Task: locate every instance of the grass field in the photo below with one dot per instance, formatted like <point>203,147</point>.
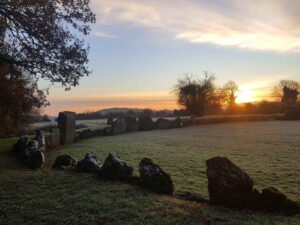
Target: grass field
<point>268,151</point>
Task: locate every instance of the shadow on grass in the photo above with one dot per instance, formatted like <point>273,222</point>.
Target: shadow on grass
<point>68,198</point>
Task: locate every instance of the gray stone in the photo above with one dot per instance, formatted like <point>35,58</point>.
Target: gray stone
<point>132,124</point>
<point>163,124</point>
<point>115,169</point>
<point>90,164</point>
<point>65,162</point>
<point>146,123</point>
<point>154,178</point>
<point>228,185</point>
<point>30,152</point>
<point>119,126</point>
<point>66,123</point>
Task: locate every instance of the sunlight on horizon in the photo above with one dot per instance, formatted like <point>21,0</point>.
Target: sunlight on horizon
<point>245,96</point>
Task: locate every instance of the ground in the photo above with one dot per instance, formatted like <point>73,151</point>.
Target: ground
<point>268,151</point>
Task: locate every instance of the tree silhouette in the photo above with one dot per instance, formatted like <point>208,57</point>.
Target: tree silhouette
<point>229,94</point>
<point>19,95</point>
<point>197,95</point>
<point>287,91</point>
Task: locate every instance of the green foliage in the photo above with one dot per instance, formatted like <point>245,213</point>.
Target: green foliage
<point>39,37</point>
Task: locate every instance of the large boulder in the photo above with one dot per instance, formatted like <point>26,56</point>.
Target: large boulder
<point>154,178</point>
<point>90,164</point>
<point>33,157</point>
<point>119,126</point>
<point>21,144</point>
<point>65,162</point>
<point>162,123</point>
<point>132,124</point>
<point>115,169</point>
<point>228,185</point>
<point>146,123</point>
<point>30,152</point>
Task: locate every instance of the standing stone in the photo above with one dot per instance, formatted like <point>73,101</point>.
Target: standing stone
<point>146,123</point>
<point>154,178</point>
<point>90,164</point>
<point>162,123</point>
<point>65,162</point>
<point>32,156</point>
<point>30,152</point>
<point>132,124</point>
<point>228,185</point>
<point>119,126</point>
<point>66,123</point>
<point>115,169</point>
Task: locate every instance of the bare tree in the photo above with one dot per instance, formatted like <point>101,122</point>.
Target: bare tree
<point>229,94</point>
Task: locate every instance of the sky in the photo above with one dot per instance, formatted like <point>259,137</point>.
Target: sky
<point>139,48</point>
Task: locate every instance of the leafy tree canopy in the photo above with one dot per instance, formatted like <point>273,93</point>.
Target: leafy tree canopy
<point>39,37</point>
<point>19,95</point>
<point>197,95</point>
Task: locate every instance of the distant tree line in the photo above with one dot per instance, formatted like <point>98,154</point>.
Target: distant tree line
<point>201,97</point>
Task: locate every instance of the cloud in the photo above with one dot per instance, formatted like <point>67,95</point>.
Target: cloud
<point>260,25</point>
<point>104,35</point>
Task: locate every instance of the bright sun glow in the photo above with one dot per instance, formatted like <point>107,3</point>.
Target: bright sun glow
<point>244,96</point>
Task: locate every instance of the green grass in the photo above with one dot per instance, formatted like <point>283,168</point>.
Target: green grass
<point>268,151</point>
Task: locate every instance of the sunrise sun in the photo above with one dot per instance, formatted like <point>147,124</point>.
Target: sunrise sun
<point>245,95</point>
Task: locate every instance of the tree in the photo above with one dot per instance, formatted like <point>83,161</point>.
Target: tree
<point>229,94</point>
<point>287,91</point>
<point>197,95</point>
<point>36,37</point>
<point>19,95</point>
